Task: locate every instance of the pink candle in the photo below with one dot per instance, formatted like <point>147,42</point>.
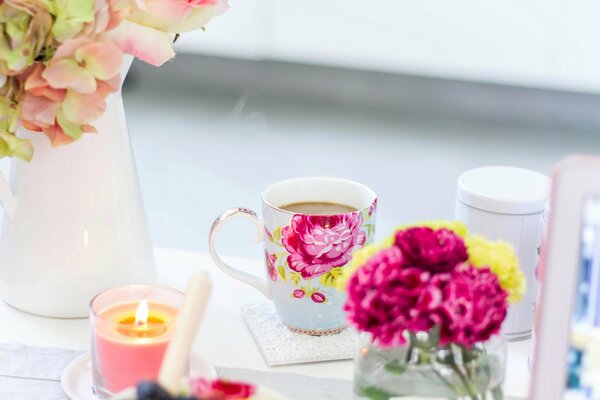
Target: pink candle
<point>130,338</point>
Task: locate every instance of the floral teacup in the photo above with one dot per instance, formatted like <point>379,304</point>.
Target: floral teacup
<point>305,253</point>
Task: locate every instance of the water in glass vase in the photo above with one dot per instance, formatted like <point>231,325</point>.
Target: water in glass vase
<point>423,370</point>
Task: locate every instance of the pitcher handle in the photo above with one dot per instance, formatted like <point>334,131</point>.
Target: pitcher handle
<point>261,284</point>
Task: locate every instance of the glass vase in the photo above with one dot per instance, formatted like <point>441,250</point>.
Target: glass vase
<point>423,369</point>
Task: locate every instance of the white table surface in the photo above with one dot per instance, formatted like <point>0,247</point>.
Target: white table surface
<point>223,340</point>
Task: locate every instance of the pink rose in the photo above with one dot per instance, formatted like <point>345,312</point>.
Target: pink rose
<point>148,28</point>
<point>318,243</point>
<point>271,258</point>
<point>176,16</point>
<point>432,250</point>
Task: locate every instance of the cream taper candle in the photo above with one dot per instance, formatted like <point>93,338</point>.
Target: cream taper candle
<point>178,352</point>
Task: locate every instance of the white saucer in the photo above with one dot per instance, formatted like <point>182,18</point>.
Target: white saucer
<point>76,379</point>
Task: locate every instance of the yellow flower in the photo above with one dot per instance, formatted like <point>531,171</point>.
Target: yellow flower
<point>501,259</point>
<point>359,258</point>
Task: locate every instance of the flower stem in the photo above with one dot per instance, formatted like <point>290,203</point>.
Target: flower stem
<point>466,359</point>
<point>424,358</point>
<point>466,382</point>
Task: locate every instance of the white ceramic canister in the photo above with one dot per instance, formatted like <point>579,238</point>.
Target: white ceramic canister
<point>507,203</point>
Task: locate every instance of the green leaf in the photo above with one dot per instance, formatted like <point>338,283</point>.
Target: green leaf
<point>330,278</point>
<point>369,228</point>
<point>295,277</point>
<point>395,367</point>
<point>277,235</point>
<point>374,393</point>
<point>281,271</point>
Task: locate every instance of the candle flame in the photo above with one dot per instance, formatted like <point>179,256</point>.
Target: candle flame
<point>141,314</point>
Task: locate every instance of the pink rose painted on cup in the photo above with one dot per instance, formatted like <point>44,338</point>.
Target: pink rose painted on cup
<point>271,258</point>
<point>319,243</point>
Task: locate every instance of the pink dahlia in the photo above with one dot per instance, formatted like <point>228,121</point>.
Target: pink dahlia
<point>473,307</point>
<point>432,250</point>
<point>384,297</point>
<point>319,243</point>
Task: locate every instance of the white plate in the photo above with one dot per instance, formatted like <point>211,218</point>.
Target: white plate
<point>76,379</point>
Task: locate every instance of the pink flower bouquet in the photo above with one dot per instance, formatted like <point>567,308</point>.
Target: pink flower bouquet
<point>434,294</point>
<point>60,59</point>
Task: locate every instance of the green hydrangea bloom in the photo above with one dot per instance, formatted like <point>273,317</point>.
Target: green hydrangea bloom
<point>24,32</point>
<point>71,16</point>
<point>10,144</point>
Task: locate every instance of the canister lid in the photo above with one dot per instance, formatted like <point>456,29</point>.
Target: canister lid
<point>504,190</point>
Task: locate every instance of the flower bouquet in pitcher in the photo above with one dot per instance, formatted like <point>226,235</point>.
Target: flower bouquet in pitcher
<point>429,303</point>
<point>59,59</point>
<point>62,65</point>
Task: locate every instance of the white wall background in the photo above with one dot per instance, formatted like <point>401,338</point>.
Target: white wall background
<point>539,43</point>
<point>215,154</point>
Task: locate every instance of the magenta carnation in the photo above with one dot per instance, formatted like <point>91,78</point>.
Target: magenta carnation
<point>473,307</point>
<point>432,250</point>
<point>384,297</point>
<point>319,243</point>
<point>388,295</point>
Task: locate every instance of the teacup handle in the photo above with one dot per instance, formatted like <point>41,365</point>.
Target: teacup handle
<point>255,281</point>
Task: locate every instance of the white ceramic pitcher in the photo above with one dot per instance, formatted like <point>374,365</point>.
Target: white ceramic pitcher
<point>74,222</point>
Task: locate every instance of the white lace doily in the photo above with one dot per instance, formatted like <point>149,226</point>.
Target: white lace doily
<point>280,346</point>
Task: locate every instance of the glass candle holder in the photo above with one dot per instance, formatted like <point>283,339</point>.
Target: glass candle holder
<point>131,328</point>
